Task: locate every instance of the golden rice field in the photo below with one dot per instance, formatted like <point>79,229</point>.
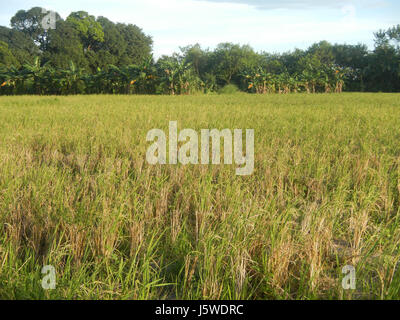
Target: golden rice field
<point>77,193</point>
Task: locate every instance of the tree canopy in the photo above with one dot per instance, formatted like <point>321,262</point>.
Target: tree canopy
<point>87,41</point>
<point>88,54</point>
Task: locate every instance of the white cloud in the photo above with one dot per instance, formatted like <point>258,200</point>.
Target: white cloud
<point>300,4</point>
<point>176,23</point>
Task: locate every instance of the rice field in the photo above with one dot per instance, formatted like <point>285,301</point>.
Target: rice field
<point>77,193</point>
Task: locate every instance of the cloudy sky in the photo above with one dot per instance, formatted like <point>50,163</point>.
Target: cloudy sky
<point>273,26</point>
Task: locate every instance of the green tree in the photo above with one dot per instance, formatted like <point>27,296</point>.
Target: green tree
<point>34,72</point>
<point>228,60</point>
<point>6,56</point>
<point>60,52</point>
<point>90,31</point>
<point>113,47</point>
<point>383,70</point>
<point>197,57</point>
<point>30,23</point>
<point>312,72</point>
<point>354,57</point>
<point>178,76</point>
<point>138,44</point>
<point>21,46</point>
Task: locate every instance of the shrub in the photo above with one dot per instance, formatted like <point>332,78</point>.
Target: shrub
<point>229,89</point>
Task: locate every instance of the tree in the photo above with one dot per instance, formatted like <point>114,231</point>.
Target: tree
<point>229,60</point>
<point>113,47</point>
<point>290,60</point>
<point>178,76</point>
<point>73,82</point>
<point>59,52</point>
<point>89,30</point>
<point>354,57</point>
<point>196,56</point>
<point>34,71</point>
<point>383,70</point>
<point>311,72</point>
<point>88,55</point>
<point>6,56</point>
<point>138,44</point>
<point>389,37</point>
<point>323,51</point>
<point>21,46</point>
<point>30,23</point>
<point>394,34</point>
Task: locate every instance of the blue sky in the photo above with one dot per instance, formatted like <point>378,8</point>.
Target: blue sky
<point>273,26</point>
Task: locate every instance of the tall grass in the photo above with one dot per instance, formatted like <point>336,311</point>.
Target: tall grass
<point>77,193</point>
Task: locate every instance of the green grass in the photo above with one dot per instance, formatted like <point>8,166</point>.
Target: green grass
<point>77,193</point>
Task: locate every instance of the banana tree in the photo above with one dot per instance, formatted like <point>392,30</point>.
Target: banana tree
<point>339,76</point>
<point>191,81</point>
<point>307,81</point>
<point>97,83</point>
<point>259,81</point>
<point>50,81</point>
<point>34,72</point>
<point>71,80</point>
<point>147,76</point>
<point>142,77</point>
<point>13,81</point>
<point>116,79</point>
<point>295,83</point>
<point>5,87</point>
<point>172,75</point>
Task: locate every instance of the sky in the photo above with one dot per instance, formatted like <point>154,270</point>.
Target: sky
<point>271,26</point>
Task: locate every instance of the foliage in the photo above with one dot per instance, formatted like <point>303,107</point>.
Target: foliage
<point>229,89</point>
<point>116,58</point>
<point>30,23</point>
<point>90,42</point>
<point>21,46</point>
<point>6,56</point>
<point>90,30</point>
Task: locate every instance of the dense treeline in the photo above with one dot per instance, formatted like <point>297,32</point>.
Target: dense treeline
<point>85,54</point>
